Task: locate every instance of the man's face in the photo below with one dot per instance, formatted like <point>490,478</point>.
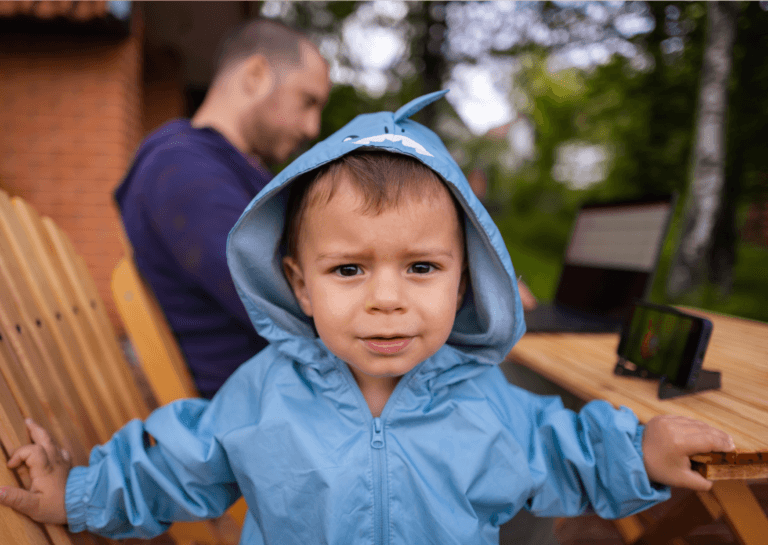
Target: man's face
<point>383,290</point>
<point>290,114</point>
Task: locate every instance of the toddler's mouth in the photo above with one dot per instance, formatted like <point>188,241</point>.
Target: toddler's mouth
<point>387,345</point>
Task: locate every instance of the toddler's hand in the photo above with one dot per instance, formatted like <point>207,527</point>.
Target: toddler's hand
<point>49,467</point>
<point>669,440</point>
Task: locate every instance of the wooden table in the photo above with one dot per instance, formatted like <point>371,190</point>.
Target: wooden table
<point>583,364</point>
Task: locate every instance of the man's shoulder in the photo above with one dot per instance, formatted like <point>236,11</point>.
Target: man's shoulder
<point>179,138</point>
<point>172,157</point>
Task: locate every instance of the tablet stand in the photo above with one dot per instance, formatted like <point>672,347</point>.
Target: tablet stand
<point>705,380</point>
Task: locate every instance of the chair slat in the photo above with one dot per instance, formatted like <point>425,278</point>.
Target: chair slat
<point>13,434</point>
<point>81,284</point>
<point>39,367</point>
<point>49,294</point>
<point>150,335</point>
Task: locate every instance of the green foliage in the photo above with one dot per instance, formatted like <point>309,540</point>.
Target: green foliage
<point>641,108</point>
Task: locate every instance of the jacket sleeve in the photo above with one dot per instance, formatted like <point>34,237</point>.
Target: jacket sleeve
<point>590,461</point>
<point>133,488</point>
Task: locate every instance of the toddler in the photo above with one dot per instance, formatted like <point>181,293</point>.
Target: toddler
<point>378,413</point>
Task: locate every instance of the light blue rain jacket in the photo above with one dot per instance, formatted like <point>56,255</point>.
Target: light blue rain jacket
<point>456,452</point>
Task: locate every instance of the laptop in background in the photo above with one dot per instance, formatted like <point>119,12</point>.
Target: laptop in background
<point>610,262</point>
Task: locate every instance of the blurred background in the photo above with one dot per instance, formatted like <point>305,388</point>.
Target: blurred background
<point>552,104</point>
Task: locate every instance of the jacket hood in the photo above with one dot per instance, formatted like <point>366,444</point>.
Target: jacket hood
<point>490,320</point>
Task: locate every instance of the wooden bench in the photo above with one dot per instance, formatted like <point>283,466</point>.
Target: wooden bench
<point>61,363</point>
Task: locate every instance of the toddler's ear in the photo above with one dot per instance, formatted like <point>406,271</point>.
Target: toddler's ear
<point>295,277</point>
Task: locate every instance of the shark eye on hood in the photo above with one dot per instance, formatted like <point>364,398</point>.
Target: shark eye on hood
<point>350,137</point>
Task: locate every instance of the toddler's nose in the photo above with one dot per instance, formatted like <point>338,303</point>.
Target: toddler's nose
<point>385,293</point>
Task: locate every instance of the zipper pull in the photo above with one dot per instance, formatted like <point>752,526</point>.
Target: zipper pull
<point>377,441</point>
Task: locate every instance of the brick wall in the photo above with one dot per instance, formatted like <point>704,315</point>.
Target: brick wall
<point>163,89</point>
<point>69,123</point>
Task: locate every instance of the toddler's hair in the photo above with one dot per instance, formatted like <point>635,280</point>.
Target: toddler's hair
<point>384,179</point>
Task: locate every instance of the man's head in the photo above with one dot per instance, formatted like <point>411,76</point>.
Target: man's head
<point>267,95</point>
<point>375,246</point>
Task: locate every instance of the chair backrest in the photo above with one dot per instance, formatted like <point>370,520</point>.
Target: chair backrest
<point>150,335</point>
<point>33,384</point>
<point>61,364</point>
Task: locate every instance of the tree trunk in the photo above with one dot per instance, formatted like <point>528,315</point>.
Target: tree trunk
<point>706,188</point>
<point>429,47</point>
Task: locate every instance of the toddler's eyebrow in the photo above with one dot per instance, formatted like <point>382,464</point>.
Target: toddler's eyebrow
<point>430,252</point>
<point>412,254</point>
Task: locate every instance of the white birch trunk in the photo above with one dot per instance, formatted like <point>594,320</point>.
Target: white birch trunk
<point>704,196</point>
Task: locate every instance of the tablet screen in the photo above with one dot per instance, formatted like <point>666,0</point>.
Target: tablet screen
<point>656,340</point>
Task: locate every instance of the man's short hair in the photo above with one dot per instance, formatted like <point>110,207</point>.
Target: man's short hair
<point>278,43</point>
<point>383,179</point>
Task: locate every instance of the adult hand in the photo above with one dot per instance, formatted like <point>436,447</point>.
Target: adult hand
<point>668,443</point>
<point>49,466</point>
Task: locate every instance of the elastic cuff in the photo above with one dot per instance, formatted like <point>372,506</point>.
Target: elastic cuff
<point>75,499</point>
<point>637,441</point>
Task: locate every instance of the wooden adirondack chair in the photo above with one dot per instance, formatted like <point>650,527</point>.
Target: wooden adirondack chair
<point>61,364</point>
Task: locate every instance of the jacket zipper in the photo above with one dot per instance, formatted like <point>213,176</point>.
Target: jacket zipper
<point>377,443</point>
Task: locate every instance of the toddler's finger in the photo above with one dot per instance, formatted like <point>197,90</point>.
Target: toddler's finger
<point>40,436</point>
<point>694,481</point>
<point>20,500</point>
<point>711,440</point>
<point>32,455</point>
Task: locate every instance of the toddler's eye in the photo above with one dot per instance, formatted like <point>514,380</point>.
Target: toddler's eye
<point>348,270</point>
<point>421,268</point>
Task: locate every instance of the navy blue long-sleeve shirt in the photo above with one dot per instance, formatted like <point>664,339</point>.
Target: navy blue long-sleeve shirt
<point>183,193</point>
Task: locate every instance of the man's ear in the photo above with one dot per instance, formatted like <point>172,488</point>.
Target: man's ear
<point>295,277</point>
<point>258,77</point>
<point>463,282</point>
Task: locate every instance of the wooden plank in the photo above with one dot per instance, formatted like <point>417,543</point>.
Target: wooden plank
<point>115,365</point>
<point>583,364</point>
<point>630,529</point>
<point>717,466</point>
<point>741,511</point>
<point>34,255</point>
<point>729,473</point>
<point>22,334</point>
<point>44,286</point>
<point>150,335</point>
<point>698,509</point>
<point>16,528</point>
<point>13,434</point>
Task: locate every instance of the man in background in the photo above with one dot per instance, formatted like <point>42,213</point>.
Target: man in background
<point>192,178</point>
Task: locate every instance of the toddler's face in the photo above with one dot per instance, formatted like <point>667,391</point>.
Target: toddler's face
<point>383,290</point>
